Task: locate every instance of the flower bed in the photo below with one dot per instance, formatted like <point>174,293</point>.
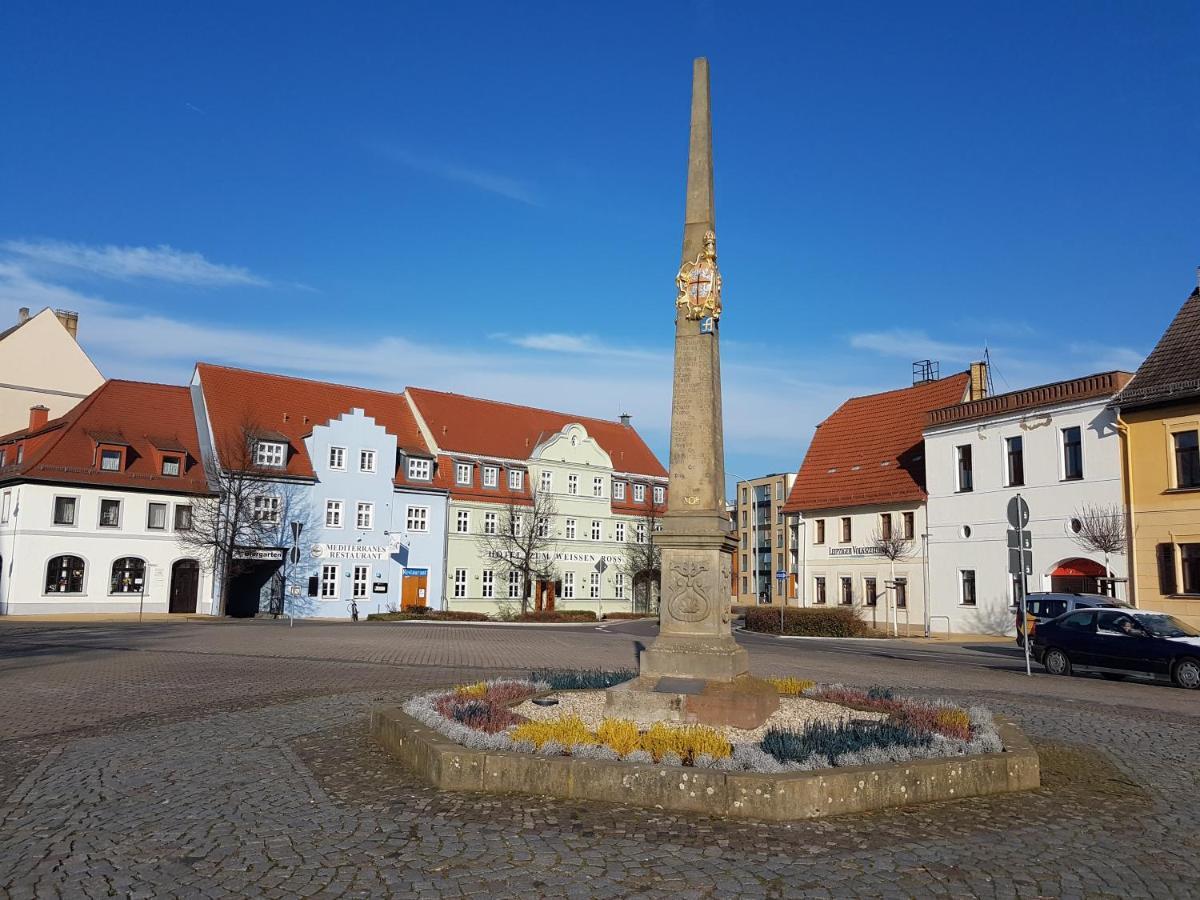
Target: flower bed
<point>481,716</point>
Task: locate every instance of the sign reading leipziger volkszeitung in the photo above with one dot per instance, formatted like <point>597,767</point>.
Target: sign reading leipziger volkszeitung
<point>855,551</point>
<point>349,551</point>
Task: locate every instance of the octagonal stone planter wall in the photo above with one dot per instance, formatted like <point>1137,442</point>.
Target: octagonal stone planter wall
<point>747,795</point>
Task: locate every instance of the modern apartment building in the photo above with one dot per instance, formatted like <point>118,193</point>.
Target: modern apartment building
<point>765,546</point>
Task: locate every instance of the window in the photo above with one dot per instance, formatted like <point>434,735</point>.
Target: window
<point>618,490</point>
<point>516,479</point>
<point>847,591</point>
<point>595,530</point>
<point>745,585</point>
<point>619,587</point>
<point>5,505</point>
<point>745,563</point>
<point>779,517</point>
<point>1165,554</point>
<point>543,527</point>
<point>20,453</point>
<point>1072,449</point>
<point>901,593</point>
<point>266,509</point>
<point>597,487</point>
<point>1080,621</point>
<point>489,583</point>
<point>641,532</point>
<point>463,525</point>
<point>64,510</point>
<point>183,517</point>
<point>639,493</point>
<point>658,525</point>
<point>460,582</point>
<point>660,494</point>
<point>1189,556</point>
<point>462,473</point>
<point>572,484</point>
<point>518,525</point>
<point>270,454</point>
<point>744,519</point>
<point>333,513</point>
<point>329,582</point>
<point>358,583</point>
<point>594,586</point>
<point>364,515</point>
<point>514,585</point>
<point>337,457</point>
<point>1187,459</point>
<point>64,575</point>
<point>818,589</point>
<point>420,469</point>
<point>619,536</point>
<point>966,581</point>
<point>547,480</point>
<point>744,498</point>
<point>156,516</point>
<point>819,531</point>
<point>416,518</point>
<point>110,460</point>
<point>128,576</point>
<point>366,460</point>
<point>110,513</point>
<point>171,466</point>
<point>1014,448</point>
<point>885,526</point>
<point>779,490</point>
<point>870,591</point>
<point>568,585</point>
<point>491,476</point>
<point>570,529</point>
<point>490,520</point>
<point>846,530</point>
<point>743,540</point>
<point>966,473</point>
<point>909,525</point>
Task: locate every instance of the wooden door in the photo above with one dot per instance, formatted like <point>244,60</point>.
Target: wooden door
<point>185,580</point>
<point>414,591</point>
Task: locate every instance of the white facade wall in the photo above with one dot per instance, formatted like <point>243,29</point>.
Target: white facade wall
<point>858,560</point>
<point>29,539</point>
<point>1053,502</point>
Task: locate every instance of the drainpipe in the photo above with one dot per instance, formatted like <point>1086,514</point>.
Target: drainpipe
<point>1127,490</point>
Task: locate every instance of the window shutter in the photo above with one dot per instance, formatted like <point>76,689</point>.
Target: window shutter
<point>1166,569</point>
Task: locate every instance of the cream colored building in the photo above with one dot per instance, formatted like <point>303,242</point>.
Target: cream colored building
<point>765,544</point>
<point>42,364</point>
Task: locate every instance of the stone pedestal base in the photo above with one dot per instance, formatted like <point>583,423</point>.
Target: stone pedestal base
<point>743,702</point>
<point>716,658</point>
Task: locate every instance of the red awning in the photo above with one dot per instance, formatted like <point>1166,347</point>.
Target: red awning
<point>1079,567</point>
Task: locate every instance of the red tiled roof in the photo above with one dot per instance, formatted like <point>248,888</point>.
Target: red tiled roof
<point>505,430</point>
<point>870,449</point>
<point>292,407</point>
<point>65,449</point>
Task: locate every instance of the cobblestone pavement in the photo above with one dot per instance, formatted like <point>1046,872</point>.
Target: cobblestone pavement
<point>232,759</point>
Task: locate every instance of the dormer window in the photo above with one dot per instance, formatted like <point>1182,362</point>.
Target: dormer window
<point>110,460</point>
<point>491,476</point>
<point>172,466</point>
<point>462,473</point>
<point>20,453</point>
<point>270,454</point>
<point>420,470</point>
<point>639,493</point>
<point>516,479</point>
<point>618,490</point>
<point>660,495</point>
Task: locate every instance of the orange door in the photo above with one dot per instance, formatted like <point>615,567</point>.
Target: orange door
<point>414,591</point>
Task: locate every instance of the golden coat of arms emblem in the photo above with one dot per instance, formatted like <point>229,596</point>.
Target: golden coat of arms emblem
<point>699,283</point>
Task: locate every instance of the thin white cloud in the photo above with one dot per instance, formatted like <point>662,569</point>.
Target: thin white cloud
<point>161,263</point>
<point>490,182</point>
<point>911,344</point>
<point>586,344</point>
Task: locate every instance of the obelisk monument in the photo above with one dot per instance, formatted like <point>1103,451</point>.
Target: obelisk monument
<point>695,670</point>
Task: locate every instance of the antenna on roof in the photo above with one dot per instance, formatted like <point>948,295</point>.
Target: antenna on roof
<point>925,370</point>
<point>987,371</point>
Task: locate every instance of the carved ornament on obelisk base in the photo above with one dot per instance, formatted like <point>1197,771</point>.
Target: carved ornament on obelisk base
<point>695,671</point>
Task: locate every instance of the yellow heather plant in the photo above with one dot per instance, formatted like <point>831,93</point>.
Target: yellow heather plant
<point>687,742</point>
<point>619,735</point>
<point>476,690</point>
<point>568,731</point>
<point>790,687</point>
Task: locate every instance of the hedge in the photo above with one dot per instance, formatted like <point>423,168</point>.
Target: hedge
<point>832,622</point>
<point>412,614</point>
<point>626,615</point>
<point>558,615</point>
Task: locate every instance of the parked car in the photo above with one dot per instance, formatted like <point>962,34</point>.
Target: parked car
<point>1043,606</point>
<point>1120,642</point>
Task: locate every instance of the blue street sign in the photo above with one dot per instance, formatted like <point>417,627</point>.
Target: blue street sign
<point>781,575</point>
<point>706,325</point>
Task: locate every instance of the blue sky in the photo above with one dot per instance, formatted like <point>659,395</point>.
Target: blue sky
<point>488,197</point>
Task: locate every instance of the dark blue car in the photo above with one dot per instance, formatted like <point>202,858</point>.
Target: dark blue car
<point>1119,642</point>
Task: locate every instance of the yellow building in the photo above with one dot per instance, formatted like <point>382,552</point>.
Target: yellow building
<point>1159,420</point>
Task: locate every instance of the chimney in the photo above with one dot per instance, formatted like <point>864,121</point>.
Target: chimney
<point>625,417</point>
<point>70,321</point>
<point>38,416</point>
<point>979,381</point>
<point>22,315</point>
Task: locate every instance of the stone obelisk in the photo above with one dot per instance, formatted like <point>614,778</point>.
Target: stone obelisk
<point>695,670</point>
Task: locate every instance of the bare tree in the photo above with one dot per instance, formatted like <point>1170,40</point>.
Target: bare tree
<point>250,507</point>
<point>892,545</point>
<point>641,559</point>
<point>1101,530</point>
<point>523,542</point>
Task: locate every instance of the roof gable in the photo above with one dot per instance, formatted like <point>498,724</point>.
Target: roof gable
<point>1172,370</point>
<point>26,347</point>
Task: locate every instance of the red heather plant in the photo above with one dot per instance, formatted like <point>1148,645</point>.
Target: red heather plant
<point>924,718</point>
<point>508,692</point>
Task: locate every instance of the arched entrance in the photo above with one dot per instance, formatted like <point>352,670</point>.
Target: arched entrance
<point>185,583</point>
<point>1077,576</point>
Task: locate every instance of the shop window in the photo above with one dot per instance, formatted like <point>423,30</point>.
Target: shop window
<point>64,575</point>
<point>819,590</point>
<point>128,576</point>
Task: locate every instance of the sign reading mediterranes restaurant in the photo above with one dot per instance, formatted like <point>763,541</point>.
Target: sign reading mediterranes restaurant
<point>349,551</point>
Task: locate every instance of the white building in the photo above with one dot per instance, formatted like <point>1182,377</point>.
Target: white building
<point>1057,446</point>
<point>91,502</point>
